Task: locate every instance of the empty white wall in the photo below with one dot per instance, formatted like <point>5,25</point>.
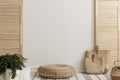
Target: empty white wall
<point>57,31</point>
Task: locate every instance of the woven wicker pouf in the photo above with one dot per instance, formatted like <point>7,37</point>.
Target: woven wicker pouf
<point>56,71</point>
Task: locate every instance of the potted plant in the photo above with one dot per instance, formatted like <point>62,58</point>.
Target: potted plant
<point>13,62</point>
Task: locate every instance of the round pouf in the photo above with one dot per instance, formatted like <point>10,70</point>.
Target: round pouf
<point>56,71</point>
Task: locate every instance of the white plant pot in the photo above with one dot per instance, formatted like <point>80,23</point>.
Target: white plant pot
<point>2,76</point>
<point>20,74</point>
<point>8,75</point>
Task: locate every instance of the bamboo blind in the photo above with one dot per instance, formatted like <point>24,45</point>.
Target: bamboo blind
<point>10,26</point>
<point>106,26</point>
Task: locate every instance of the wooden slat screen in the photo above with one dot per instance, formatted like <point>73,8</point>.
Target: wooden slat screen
<point>10,26</point>
<point>106,26</point>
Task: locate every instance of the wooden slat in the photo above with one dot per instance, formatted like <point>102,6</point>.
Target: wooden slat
<point>104,28</point>
<point>9,10</point>
<point>10,30</point>
<point>9,36</point>
<point>9,19</point>
<point>9,50</point>
<point>9,25</point>
<point>108,3</point>
<point>9,43</point>
<point>10,2</point>
<point>105,11</point>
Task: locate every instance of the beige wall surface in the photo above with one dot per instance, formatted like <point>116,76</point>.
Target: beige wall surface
<point>57,31</point>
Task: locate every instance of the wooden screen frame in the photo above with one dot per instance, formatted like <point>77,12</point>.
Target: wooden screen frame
<point>96,12</point>
<point>14,4</point>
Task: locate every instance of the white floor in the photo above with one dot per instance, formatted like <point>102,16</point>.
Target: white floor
<point>32,74</point>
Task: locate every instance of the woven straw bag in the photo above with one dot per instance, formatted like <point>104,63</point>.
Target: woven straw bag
<point>115,73</point>
<point>94,63</point>
<point>104,54</point>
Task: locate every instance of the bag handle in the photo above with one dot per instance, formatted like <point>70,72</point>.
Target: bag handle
<point>116,62</point>
<point>93,58</point>
<point>97,52</point>
<point>97,49</point>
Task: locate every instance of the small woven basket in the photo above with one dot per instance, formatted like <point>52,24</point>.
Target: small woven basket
<point>115,78</point>
<point>115,73</point>
<point>56,71</point>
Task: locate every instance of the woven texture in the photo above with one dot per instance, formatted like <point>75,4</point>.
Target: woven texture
<point>56,71</point>
<point>115,78</point>
<point>115,73</point>
<point>106,54</point>
<point>94,62</point>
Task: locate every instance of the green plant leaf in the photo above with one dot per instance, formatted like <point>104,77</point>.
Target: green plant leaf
<point>13,62</point>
